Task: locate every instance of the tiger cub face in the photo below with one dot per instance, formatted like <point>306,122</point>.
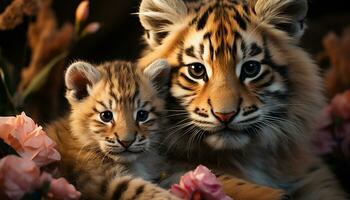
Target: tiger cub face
<point>237,69</point>
<point>115,107</point>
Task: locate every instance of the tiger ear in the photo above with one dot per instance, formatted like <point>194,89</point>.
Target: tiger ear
<point>156,16</point>
<point>286,15</point>
<point>159,74</point>
<point>79,78</point>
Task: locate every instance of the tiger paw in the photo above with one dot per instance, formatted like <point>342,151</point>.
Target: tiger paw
<point>239,189</point>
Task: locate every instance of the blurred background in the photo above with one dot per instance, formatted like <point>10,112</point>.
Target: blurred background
<point>39,38</point>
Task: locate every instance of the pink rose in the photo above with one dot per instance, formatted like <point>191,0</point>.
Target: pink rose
<point>28,139</point>
<point>340,105</point>
<point>200,180</point>
<point>17,176</point>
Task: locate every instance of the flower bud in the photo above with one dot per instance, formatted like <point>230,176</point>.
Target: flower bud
<point>82,12</point>
<point>93,27</point>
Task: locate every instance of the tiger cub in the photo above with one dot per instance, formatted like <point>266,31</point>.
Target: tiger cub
<point>114,116</point>
<point>244,94</point>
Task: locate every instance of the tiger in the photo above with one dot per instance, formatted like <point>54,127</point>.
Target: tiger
<point>243,93</point>
<point>106,140</point>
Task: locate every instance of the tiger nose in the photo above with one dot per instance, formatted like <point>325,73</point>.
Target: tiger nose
<point>224,117</point>
<point>125,143</point>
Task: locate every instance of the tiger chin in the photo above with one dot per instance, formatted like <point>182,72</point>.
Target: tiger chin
<point>244,94</point>
<point>106,139</point>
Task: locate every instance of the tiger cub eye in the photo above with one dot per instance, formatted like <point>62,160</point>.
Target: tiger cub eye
<point>250,69</point>
<point>197,70</point>
<point>142,115</point>
<point>106,116</point>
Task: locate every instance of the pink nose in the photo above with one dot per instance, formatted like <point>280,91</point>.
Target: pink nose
<point>224,117</point>
<point>125,143</point>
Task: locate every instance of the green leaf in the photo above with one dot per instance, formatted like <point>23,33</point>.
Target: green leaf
<point>40,79</point>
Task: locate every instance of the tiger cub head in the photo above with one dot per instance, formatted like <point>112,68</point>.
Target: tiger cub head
<point>237,69</point>
<point>115,108</point>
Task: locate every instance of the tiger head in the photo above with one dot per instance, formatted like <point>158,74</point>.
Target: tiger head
<point>115,107</point>
<point>237,69</point>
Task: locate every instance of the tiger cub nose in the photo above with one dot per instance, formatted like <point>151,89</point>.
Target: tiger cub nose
<point>224,117</point>
<point>125,143</point>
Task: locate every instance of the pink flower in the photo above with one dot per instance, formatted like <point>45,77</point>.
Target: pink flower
<point>340,105</point>
<point>82,12</point>
<point>200,180</point>
<point>93,27</point>
<point>28,139</point>
<point>17,176</point>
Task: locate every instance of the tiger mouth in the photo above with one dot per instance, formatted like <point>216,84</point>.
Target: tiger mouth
<point>125,152</point>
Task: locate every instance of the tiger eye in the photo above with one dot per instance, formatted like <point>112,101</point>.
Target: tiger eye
<point>142,115</point>
<point>250,69</point>
<point>197,71</point>
<point>106,116</point>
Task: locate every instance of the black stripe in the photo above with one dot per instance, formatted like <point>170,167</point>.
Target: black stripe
<point>139,190</point>
<point>203,20</point>
<point>240,21</point>
<point>254,50</point>
<point>202,122</point>
<point>110,103</point>
<point>182,86</point>
<point>98,122</point>
<point>253,109</point>
<point>102,104</point>
<point>268,83</point>
<point>187,79</point>
<point>120,189</point>
<point>150,122</point>
<point>261,77</point>
<point>187,95</point>
<point>282,70</point>
<point>97,132</point>
<point>145,104</point>
<point>201,50</point>
<point>96,111</point>
<point>244,49</point>
<point>190,51</point>
<point>197,111</point>
<point>114,96</point>
<point>246,8</point>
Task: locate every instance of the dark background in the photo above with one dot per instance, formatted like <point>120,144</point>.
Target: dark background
<point>120,35</point>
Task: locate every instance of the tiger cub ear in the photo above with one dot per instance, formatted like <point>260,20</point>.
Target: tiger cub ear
<point>156,16</point>
<point>79,77</point>
<point>286,15</point>
<point>159,74</point>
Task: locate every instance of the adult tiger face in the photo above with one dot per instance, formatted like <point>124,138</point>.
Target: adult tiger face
<point>236,68</point>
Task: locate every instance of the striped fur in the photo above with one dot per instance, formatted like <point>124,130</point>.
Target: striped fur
<point>100,153</point>
<point>245,95</point>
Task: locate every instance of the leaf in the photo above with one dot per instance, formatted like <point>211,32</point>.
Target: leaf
<point>7,106</point>
<point>40,79</point>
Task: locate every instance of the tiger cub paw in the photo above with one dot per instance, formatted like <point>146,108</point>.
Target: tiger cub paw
<point>128,187</point>
<point>239,189</point>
